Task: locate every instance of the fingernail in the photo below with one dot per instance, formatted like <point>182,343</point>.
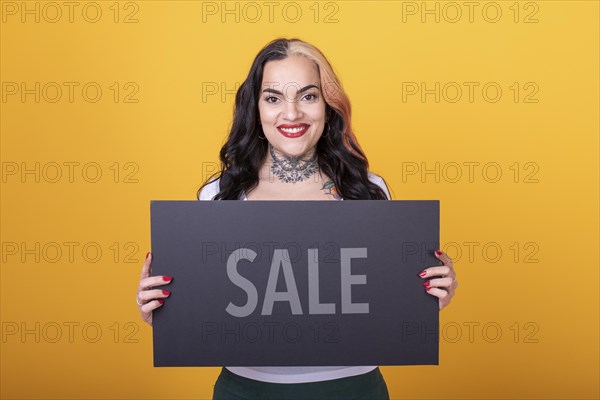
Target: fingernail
<point>167,278</point>
<point>439,253</point>
<point>166,292</point>
<point>428,288</point>
<point>161,301</point>
<point>422,273</point>
<point>426,283</point>
<point>147,254</point>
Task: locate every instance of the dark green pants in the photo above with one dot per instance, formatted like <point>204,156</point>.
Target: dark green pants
<point>369,386</point>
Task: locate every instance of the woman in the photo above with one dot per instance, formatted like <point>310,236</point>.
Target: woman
<point>292,139</point>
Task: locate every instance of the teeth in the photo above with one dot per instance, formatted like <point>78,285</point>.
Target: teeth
<point>293,130</point>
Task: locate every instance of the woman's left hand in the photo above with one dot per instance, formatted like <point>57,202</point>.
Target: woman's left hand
<point>444,283</point>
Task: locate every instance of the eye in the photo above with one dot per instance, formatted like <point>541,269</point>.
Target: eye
<point>311,96</point>
<point>271,99</point>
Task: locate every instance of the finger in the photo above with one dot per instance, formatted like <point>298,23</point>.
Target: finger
<point>147,295</point>
<point>146,268</point>
<point>439,293</point>
<point>443,257</point>
<point>435,271</point>
<point>153,281</point>
<point>152,305</point>
<point>445,282</point>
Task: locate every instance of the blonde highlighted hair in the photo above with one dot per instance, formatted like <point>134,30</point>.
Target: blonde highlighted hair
<point>332,90</point>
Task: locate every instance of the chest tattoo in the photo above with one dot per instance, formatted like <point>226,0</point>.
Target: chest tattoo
<point>329,188</point>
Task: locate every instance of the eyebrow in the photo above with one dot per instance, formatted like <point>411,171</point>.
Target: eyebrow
<point>302,90</point>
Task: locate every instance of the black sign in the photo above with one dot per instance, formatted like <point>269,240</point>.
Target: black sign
<point>304,283</point>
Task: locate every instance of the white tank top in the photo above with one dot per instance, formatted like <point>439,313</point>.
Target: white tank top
<point>294,374</point>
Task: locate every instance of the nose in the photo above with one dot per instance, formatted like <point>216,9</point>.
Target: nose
<point>292,110</point>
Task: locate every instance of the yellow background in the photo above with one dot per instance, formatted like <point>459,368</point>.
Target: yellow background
<point>547,310</point>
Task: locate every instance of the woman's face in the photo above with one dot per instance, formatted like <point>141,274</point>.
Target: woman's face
<point>292,110</point>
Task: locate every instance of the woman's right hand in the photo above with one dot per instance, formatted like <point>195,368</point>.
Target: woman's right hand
<point>147,297</point>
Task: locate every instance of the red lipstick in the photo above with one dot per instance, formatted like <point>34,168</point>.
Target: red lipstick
<point>293,130</point>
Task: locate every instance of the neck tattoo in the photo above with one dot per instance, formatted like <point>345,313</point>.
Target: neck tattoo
<point>293,169</point>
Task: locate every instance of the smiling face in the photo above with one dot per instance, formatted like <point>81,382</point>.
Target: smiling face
<point>291,107</point>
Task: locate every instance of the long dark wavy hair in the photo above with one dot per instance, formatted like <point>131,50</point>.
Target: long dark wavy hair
<point>339,155</point>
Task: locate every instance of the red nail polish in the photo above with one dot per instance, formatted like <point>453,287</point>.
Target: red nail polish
<point>161,301</point>
<point>439,253</point>
<point>166,292</point>
<point>422,273</point>
<point>426,283</point>
<point>167,278</point>
<point>428,288</point>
